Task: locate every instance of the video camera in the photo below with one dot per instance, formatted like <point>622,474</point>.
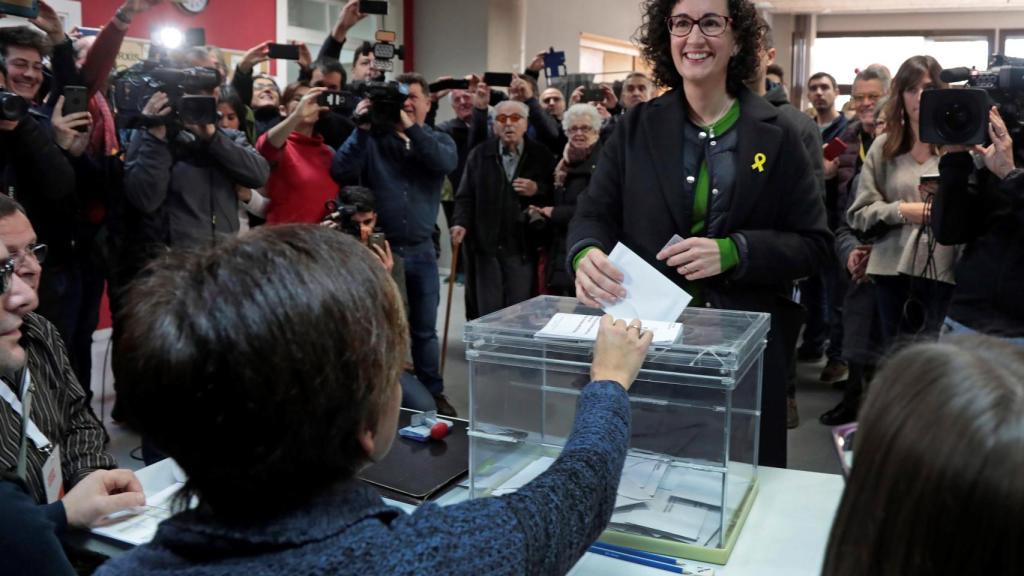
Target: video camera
<point>387,98</point>
<point>135,86</point>
<point>960,115</point>
<point>341,215</point>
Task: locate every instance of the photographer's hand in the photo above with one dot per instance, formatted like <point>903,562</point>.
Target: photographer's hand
<point>158,106</point>
<point>349,17</point>
<point>204,132</point>
<point>520,90</point>
<point>999,154</point>
<point>610,101</point>
<point>385,255</point>
<point>537,64</point>
<point>482,96</point>
<point>435,96</point>
<point>361,113</point>
<point>307,111</point>
<point>48,21</point>
<point>256,55</point>
<point>407,119</point>
<point>577,95</point>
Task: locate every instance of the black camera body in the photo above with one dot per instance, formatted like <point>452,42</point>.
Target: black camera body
<point>341,214</point>
<point>134,88</point>
<point>960,115</point>
<point>13,108</point>
<point>387,98</point>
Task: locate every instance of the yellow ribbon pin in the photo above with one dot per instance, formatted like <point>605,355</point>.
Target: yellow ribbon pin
<point>759,160</point>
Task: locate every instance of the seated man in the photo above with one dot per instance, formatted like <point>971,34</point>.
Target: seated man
<point>64,434</point>
<point>271,449</point>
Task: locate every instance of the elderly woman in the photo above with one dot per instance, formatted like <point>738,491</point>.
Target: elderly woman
<point>582,124</point>
<point>267,367</point>
<point>913,274</point>
<point>718,166</point>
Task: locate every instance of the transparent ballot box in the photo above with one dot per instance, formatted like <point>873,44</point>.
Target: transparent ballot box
<point>690,475</point>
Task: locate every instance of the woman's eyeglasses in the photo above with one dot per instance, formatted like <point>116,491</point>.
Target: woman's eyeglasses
<point>710,25</point>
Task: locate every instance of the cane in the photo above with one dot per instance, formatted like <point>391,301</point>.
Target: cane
<point>448,309</point>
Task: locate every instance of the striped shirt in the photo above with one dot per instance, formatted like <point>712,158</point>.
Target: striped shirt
<point>59,410</point>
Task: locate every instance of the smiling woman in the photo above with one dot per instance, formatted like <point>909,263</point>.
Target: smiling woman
<point>715,164</point>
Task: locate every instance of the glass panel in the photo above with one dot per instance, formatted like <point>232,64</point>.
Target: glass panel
<point>308,14</point>
<point>1015,46</point>
<point>843,56</point>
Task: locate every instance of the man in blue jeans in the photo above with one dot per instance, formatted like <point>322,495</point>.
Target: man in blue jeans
<point>405,166</point>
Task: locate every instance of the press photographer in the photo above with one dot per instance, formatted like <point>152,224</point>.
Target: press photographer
<point>405,162</point>
<point>984,209</point>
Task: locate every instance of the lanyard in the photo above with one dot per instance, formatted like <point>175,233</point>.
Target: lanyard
<point>863,155</point>
<point>28,426</point>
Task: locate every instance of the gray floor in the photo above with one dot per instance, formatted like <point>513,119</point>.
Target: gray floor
<point>810,445</point>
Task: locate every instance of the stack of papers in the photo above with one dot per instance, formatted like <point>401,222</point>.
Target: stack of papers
<point>564,326</point>
<point>160,482</point>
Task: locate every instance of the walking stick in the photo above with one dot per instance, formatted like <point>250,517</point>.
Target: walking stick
<point>448,308</point>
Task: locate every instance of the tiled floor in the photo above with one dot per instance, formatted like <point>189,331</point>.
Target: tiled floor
<point>810,445</point>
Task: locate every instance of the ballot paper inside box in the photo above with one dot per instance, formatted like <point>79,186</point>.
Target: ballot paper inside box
<point>690,475</point>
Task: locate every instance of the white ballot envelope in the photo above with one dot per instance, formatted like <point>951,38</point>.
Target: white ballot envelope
<point>649,294</point>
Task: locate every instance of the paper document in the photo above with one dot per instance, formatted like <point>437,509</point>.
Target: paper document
<point>641,477</point>
<point>160,482</point>
<point>649,294</point>
<point>584,327</point>
<point>536,468</point>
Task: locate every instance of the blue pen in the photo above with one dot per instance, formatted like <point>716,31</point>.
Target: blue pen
<point>675,569</point>
<point>640,553</point>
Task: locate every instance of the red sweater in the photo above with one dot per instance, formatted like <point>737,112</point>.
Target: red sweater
<point>300,179</point>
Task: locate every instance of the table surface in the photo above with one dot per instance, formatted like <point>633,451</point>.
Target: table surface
<point>785,534</point>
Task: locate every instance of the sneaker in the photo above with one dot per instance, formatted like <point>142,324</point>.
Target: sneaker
<point>444,408</point>
<point>792,415</point>
<point>834,371</point>
<point>843,413</point>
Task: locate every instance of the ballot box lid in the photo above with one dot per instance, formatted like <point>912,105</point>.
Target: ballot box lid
<point>711,341</point>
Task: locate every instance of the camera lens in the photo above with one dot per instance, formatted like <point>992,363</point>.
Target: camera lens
<point>957,121</point>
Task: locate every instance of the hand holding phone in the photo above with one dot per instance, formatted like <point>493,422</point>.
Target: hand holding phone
<point>76,100</point>
<point>834,148</point>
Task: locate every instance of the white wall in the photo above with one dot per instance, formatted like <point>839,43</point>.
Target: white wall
<point>451,40</point>
<point>921,21</point>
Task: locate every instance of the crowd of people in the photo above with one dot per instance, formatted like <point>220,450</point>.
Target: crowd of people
<point>239,251</point>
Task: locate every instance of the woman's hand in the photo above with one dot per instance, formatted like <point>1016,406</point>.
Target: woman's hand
<point>598,280</point>
<point>619,351</point>
<point>65,129</point>
<point>309,109</point>
<point>694,258</point>
<point>999,154</point>
<point>857,264</point>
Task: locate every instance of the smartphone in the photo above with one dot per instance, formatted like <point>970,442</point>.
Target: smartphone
<point>376,239</point>
<point>843,438</point>
<point>200,110</point>
<point>76,99</point>
<point>595,94</point>
<point>283,51</point>
<point>373,7</point>
<point>834,148</point>
<point>84,31</point>
<point>449,84</point>
<point>23,8</point>
<point>333,99</point>
<point>500,79</point>
<point>928,178</point>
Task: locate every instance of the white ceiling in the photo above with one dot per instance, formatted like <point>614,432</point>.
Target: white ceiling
<point>862,6</point>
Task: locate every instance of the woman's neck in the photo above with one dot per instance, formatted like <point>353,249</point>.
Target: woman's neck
<point>707,103</point>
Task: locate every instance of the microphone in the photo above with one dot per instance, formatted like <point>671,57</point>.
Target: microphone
<point>950,75</point>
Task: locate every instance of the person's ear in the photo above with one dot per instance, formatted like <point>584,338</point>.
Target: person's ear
<point>771,56</point>
<point>368,441</point>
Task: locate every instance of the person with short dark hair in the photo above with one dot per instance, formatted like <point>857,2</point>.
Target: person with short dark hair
<point>934,487</point>
<point>31,345</point>
<point>776,75</point>
<point>822,90</point>
<point>301,427</point>
<point>721,168</point>
<point>405,167</point>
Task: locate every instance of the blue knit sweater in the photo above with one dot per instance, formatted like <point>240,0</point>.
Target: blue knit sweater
<point>543,528</point>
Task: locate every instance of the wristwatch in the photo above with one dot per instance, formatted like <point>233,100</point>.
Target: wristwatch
<point>123,16</point>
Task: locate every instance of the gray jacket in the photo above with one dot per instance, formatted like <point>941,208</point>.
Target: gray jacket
<point>184,195</point>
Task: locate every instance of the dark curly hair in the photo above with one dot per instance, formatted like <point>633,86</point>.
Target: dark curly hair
<point>655,42</point>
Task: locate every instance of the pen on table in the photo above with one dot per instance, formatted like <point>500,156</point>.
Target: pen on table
<point>673,568</point>
<point>640,553</point>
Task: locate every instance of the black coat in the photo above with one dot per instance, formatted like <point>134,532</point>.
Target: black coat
<point>776,217</point>
<point>559,277</point>
<point>484,205</point>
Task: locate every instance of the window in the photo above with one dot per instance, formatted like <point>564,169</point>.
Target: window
<point>609,59</point>
<point>842,56</point>
<point>310,21</point>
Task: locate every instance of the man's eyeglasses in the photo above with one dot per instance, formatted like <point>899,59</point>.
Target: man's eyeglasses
<point>36,252</point>
<point>585,129</point>
<point>506,118</point>
<point>6,275</point>
<point>865,97</point>
<point>710,25</point>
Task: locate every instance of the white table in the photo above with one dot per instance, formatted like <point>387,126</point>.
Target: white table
<point>785,534</point>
